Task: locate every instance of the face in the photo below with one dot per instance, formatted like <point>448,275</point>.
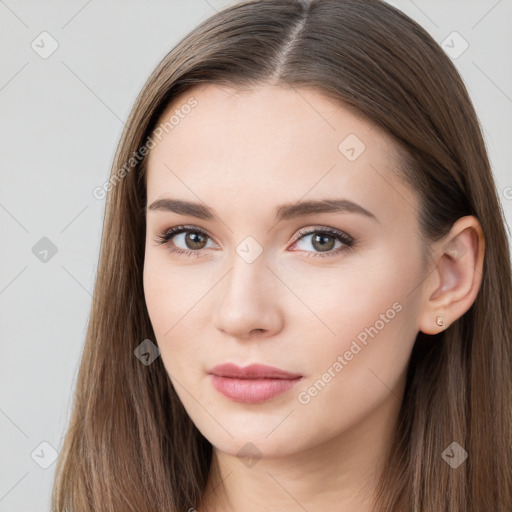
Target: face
<point>327,292</point>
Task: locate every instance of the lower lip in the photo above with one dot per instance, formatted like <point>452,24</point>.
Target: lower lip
<point>252,391</point>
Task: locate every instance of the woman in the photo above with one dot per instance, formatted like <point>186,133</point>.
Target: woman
<point>303,296</point>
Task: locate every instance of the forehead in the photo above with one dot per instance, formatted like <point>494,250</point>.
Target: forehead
<point>264,119</point>
<point>270,142</point>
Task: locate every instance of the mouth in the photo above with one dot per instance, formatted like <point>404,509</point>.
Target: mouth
<point>255,383</point>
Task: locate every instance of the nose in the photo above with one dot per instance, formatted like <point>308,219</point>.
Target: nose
<point>248,302</point>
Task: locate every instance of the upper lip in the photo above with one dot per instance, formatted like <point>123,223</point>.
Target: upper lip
<point>253,371</point>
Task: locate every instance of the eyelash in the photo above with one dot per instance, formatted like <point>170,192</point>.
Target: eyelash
<point>165,237</point>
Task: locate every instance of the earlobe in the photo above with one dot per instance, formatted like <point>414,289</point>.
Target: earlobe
<point>456,277</point>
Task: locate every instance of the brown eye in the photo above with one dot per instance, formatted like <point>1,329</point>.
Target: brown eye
<point>194,240</point>
<point>323,242</point>
<point>184,240</point>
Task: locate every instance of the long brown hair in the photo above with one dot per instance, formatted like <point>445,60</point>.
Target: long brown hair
<point>130,445</point>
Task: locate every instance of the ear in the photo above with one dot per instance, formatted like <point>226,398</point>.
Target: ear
<point>456,275</point>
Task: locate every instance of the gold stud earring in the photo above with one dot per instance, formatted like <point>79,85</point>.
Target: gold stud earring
<point>440,321</point>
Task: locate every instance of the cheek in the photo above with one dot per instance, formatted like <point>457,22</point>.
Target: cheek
<point>359,369</point>
<point>158,292</point>
<point>170,291</point>
<point>173,297</point>
<point>340,304</point>
<point>372,315</point>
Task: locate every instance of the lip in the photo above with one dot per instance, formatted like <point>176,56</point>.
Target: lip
<point>253,371</point>
<point>252,384</point>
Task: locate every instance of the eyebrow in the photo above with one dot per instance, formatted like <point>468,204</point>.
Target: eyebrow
<point>283,212</point>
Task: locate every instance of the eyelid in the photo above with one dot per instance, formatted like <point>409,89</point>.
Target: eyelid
<point>347,240</point>
<point>321,229</point>
<point>169,233</point>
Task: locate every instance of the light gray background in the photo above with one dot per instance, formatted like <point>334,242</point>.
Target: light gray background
<point>61,118</point>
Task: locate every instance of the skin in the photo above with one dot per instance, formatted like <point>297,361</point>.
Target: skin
<point>242,154</point>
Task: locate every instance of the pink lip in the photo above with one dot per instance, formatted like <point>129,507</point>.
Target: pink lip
<point>252,384</point>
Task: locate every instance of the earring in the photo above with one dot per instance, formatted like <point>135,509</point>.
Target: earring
<point>440,321</point>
